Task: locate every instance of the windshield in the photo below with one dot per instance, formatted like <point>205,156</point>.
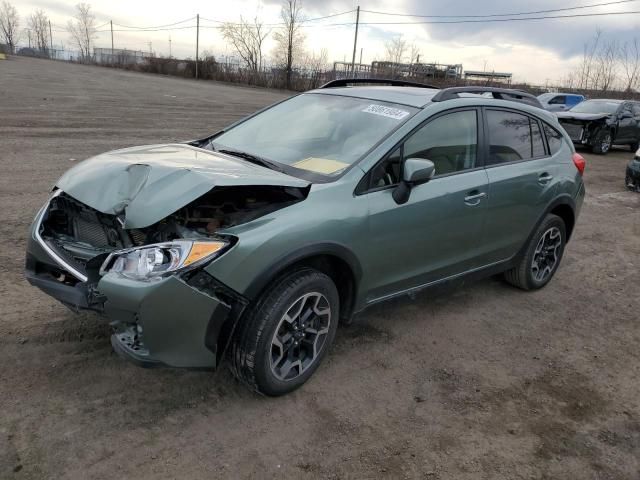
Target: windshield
<point>319,133</point>
<point>596,106</point>
<point>546,96</point>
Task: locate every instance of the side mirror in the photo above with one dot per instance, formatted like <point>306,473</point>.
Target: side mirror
<point>415,170</point>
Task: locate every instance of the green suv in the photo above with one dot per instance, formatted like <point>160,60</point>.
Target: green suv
<point>255,243</point>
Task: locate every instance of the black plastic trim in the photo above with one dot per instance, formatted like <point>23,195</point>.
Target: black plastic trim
<point>344,82</point>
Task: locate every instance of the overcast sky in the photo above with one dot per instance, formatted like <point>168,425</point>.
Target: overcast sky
<point>535,51</point>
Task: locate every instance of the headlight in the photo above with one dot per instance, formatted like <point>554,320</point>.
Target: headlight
<point>157,260</point>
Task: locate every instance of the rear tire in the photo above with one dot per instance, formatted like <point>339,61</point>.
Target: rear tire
<point>283,338</point>
<point>634,147</point>
<point>603,142</point>
<point>542,257</point>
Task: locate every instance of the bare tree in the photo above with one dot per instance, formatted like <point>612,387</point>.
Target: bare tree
<point>83,29</point>
<point>415,53</point>
<point>630,62</point>
<point>247,40</point>
<point>9,24</point>
<point>39,26</point>
<point>395,50</point>
<point>289,39</point>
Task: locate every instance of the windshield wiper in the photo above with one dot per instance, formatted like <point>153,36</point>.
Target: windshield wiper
<point>253,159</point>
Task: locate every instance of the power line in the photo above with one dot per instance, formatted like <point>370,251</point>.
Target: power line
<point>492,20</point>
<point>280,23</point>
<point>155,26</point>
<point>500,14</point>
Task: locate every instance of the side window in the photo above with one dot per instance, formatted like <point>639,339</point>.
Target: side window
<point>554,139</point>
<point>536,140</point>
<point>512,137</point>
<point>387,172</point>
<point>558,100</point>
<point>636,109</point>
<point>449,141</point>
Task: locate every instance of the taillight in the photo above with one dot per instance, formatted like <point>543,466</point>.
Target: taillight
<point>579,162</point>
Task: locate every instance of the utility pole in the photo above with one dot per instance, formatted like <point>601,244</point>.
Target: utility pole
<point>150,49</point>
<point>355,40</point>
<point>29,35</point>
<point>197,41</point>
<point>50,39</point>
<point>111,23</point>
<point>169,46</point>
<point>361,55</point>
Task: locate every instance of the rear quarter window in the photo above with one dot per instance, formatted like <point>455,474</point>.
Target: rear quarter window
<point>554,138</point>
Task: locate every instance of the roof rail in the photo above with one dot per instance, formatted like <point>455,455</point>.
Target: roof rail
<point>499,93</point>
<point>344,82</point>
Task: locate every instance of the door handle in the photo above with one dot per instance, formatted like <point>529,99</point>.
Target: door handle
<point>474,198</point>
<point>544,178</point>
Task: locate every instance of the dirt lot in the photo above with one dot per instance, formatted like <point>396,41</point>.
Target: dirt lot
<point>487,382</point>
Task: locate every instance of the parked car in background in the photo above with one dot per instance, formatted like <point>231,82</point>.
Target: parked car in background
<point>559,102</point>
<point>632,177</point>
<point>263,237</point>
<point>600,124</point>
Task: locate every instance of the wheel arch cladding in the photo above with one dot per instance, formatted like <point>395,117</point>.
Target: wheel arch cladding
<point>568,216</point>
<point>334,260</point>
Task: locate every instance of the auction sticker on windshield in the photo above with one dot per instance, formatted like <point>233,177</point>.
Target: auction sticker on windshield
<point>386,111</point>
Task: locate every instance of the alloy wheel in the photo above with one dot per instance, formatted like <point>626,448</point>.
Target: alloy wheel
<point>605,145</point>
<point>546,254</point>
<point>300,336</point>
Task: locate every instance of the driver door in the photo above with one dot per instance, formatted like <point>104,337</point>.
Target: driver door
<point>435,234</point>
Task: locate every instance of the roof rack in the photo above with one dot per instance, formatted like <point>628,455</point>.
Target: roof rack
<point>344,82</point>
<point>498,93</point>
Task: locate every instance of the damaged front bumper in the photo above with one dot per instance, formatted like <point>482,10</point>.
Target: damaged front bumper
<point>179,321</point>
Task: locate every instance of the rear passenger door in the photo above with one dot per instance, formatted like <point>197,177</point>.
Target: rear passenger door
<point>521,180</point>
<point>627,124</point>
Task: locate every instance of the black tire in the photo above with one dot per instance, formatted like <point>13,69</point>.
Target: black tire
<point>634,147</point>
<point>524,274</point>
<point>251,350</point>
<point>603,142</point>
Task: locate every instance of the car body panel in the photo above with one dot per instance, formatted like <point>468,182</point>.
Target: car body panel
<point>389,248</point>
<point>148,183</point>
<point>585,128</point>
<point>559,102</point>
<point>440,233</point>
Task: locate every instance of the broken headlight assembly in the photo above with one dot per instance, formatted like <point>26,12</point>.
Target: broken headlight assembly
<point>161,259</point>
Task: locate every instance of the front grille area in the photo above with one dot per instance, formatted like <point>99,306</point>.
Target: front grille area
<point>574,130</point>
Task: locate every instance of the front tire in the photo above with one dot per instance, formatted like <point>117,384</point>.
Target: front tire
<point>284,337</point>
<point>603,142</point>
<point>542,257</point>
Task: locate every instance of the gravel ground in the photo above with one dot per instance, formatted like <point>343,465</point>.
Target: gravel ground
<point>485,382</point>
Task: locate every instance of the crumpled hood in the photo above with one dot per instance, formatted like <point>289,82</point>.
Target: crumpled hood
<point>582,116</point>
<point>151,182</point>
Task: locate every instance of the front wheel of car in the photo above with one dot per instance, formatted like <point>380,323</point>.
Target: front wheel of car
<point>542,256</point>
<point>603,143</point>
<point>283,338</point>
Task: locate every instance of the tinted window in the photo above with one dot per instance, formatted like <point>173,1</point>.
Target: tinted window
<point>554,139</point>
<point>387,172</point>
<point>512,137</point>
<point>536,140</point>
<point>636,109</point>
<point>449,141</point>
<point>559,100</point>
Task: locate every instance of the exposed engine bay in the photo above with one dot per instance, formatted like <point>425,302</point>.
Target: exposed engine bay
<point>84,236</point>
